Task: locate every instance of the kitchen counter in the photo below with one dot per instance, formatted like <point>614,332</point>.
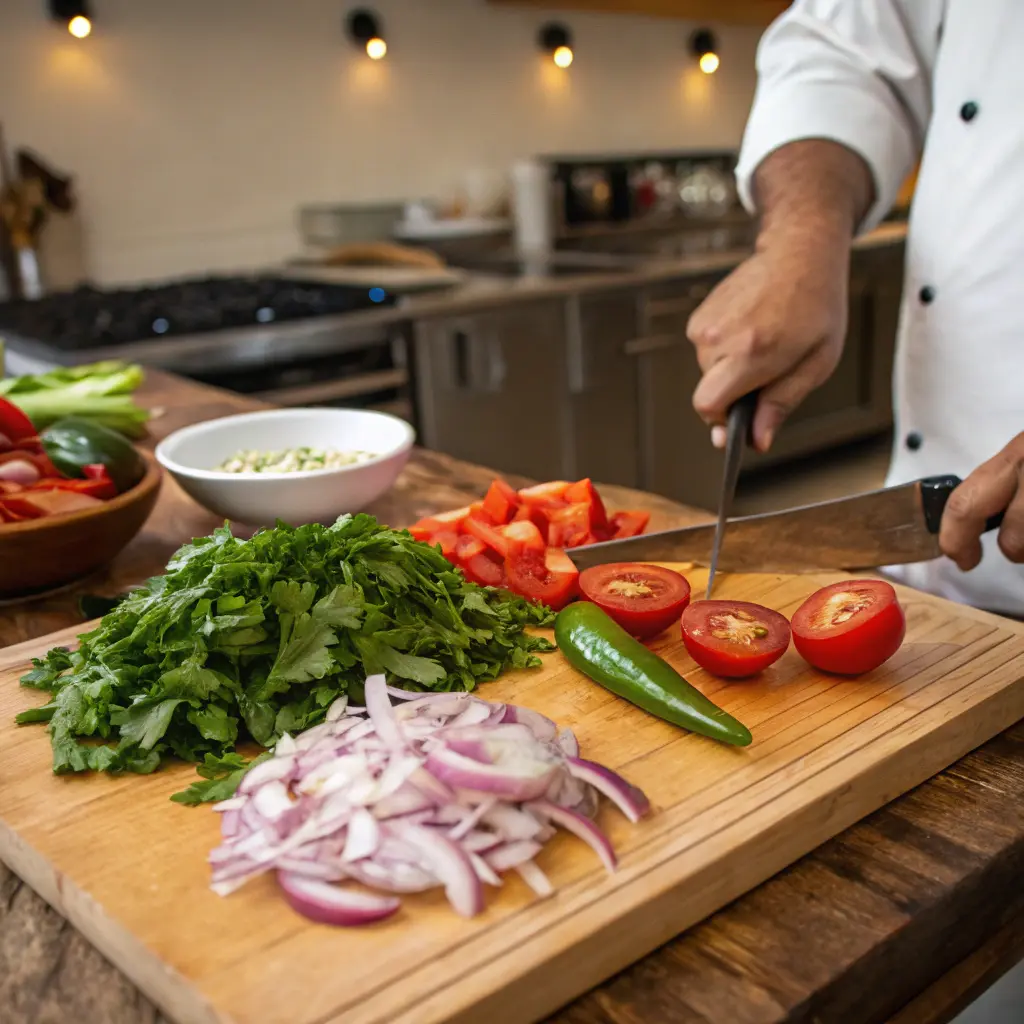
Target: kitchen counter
<point>903,917</point>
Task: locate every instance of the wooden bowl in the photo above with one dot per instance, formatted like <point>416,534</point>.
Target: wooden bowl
<point>42,554</point>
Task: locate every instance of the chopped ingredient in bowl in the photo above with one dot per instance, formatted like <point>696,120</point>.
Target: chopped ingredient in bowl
<point>291,460</point>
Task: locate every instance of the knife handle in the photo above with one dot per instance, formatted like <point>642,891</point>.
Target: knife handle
<point>935,492</point>
<point>741,417</point>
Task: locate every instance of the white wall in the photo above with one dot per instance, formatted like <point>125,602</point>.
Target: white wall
<point>195,127</point>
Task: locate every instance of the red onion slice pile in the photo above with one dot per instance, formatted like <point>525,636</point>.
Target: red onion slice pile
<point>439,790</point>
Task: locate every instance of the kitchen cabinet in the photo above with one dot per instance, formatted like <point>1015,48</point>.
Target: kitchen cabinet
<point>602,378</point>
<point>736,12</point>
<point>491,386</point>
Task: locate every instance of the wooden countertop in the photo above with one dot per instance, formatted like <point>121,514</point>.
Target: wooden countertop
<point>903,917</point>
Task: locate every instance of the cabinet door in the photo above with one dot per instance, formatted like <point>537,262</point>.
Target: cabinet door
<point>490,388</point>
<point>677,457</point>
<point>602,383</point>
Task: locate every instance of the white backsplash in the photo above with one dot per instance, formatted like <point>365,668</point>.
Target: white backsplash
<point>195,128</point>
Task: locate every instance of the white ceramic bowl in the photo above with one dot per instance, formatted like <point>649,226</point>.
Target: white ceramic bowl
<point>318,496</point>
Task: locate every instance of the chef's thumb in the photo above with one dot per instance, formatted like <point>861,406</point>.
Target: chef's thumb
<point>724,384</point>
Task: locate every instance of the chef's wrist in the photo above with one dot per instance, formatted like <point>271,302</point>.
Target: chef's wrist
<point>818,239</point>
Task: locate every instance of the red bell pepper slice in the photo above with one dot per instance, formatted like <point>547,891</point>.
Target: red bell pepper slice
<point>14,424</point>
<point>584,492</point>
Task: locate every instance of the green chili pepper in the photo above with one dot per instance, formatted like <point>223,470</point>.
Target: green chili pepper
<point>74,443</point>
<point>605,652</point>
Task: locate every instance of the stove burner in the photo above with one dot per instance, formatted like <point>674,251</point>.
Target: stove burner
<point>90,317</point>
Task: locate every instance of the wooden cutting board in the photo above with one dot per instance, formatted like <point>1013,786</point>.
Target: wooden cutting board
<point>128,867</point>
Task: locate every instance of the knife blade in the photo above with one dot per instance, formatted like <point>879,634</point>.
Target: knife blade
<point>741,419</point>
<point>891,526</point>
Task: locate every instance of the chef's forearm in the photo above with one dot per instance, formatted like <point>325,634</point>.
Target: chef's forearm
<point>812,191</point>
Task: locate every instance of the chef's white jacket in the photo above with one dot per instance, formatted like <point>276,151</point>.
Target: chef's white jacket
<point>943,79</point>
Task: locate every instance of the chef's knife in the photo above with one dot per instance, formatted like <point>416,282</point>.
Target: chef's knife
<point>892,526</point>
<point>740,422</point>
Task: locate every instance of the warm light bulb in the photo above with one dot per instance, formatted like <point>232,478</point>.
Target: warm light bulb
<point>376,48</point>
<point>709,63</point>
<point>80,26</point>
<point>562,56</point>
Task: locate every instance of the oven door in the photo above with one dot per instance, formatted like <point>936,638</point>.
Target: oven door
<point>374,376</point>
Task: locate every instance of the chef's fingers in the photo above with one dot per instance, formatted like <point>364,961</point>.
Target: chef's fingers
<point>1011,533</point>
<point>726,382</point>
<point>988,491</point>
<point>780,398</point>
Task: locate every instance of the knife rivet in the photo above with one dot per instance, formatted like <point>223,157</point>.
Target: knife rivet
<point>926,295</point>
<point>914,440</point>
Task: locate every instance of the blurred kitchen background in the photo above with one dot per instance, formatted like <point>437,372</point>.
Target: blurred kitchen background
<point>491,217</point>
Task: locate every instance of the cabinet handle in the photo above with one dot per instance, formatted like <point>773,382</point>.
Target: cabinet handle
<point>576,370</point>
<point>651,343</point>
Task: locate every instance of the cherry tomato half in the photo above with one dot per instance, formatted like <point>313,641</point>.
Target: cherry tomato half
<point>643,599</point>
<point>850,627</point>
<point>733,639</point>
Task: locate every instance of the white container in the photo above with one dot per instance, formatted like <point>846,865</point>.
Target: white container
<point>533,216</point>
<point>317,496</point>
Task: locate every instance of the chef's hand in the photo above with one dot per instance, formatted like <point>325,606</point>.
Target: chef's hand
<point>995,486</point>
<point>777,323</point>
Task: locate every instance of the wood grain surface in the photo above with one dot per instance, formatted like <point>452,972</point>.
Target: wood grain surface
<point>129,868</point>
<point>885,913</point>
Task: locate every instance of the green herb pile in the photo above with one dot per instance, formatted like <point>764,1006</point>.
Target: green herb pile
<point>258,637</point>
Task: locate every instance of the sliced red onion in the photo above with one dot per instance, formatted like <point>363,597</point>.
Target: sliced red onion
<point>442,789</point>
<point>541,726</point>
<point>630,800</point>
<point>330,904</point>
<point>363,836</point>
<point>19,471</point>
<point>449,862</point>
<point>512,854</point>
<point>567,742</point>
<point>535,878</point>
<point>526,781</point>
<point>381,714</point>
<point>584,828</point>
<point>484,871</point>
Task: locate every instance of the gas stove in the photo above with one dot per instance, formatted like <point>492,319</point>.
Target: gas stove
<point>281,338</point>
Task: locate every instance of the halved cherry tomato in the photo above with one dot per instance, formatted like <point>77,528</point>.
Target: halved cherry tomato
<point>550,578</point>
<point>629,524</point>
<point>850,627</point>
<point>643,599</point>
<point>14,424</point>
<point>733,639</point>
<point>501,502</point>
<point>523,536</point>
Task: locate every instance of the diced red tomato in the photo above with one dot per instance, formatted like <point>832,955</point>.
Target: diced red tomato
<point>585,492</point>
<point>448,539</point>
<point>14,424</point>
<point>536,514</point>
<point>58,501</point>
<point>501,502</point>
<point>16,509</point>
<point>570,527</point>
<point>104,490</point>
<point>629,524</point>
<point>540,494</point>
<point>467,546</point>
<point>485,570</point>
<point>424,529</point>
<point>643,599</point>
<point>850,627</point>
<point>550,578</point>
<point>733,639</point>
<point>523,535</point>
<point>477,526</point>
